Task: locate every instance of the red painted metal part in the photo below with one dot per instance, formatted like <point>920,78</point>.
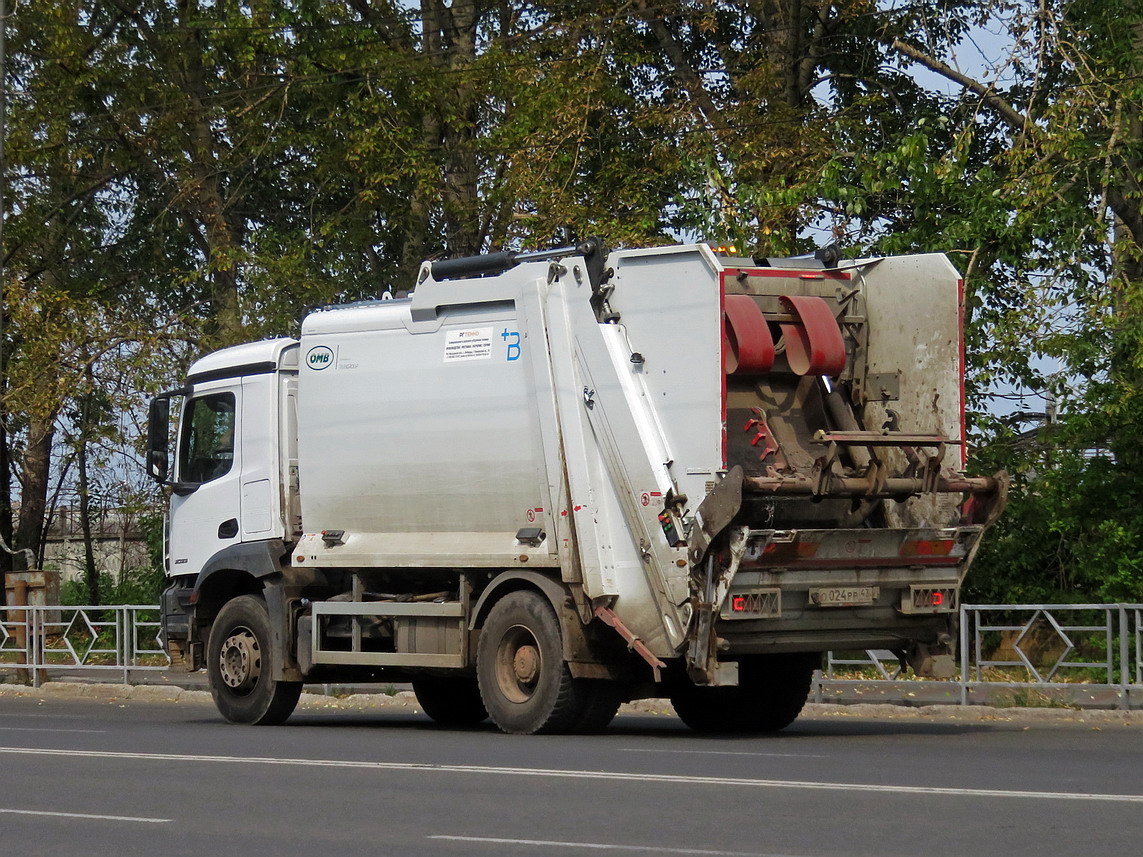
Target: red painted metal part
<point>762,434</point>
<point>792,273</point>
<point>750,348</point>
<point>607,615</point>
<point>814,345</point>
<point>725,346</point>
<point>876,562</point>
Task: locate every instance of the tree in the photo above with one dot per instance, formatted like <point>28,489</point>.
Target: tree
<point>1058,274</point>
<point>189,175</point>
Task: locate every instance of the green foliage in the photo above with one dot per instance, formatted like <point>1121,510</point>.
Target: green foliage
<point>133,586</point>
<point>141,585</point>
<point>1072,532</point>
<point>187,175</point>
<point>152,527</point>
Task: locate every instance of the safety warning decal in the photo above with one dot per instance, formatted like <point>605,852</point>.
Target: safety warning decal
<point>473,343</point>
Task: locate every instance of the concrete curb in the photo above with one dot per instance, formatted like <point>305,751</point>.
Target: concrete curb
<point>109,692</point>
<point>974,713</point>
<point>406,700</point>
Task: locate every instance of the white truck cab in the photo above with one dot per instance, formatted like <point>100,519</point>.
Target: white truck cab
<point>235,469</point>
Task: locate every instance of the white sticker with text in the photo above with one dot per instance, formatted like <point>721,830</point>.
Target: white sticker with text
<point>471,344</point>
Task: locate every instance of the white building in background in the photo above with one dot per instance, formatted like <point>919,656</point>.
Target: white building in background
<point>118,542</point>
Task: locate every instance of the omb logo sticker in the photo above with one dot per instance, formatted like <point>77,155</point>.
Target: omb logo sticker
<point>319,357</point>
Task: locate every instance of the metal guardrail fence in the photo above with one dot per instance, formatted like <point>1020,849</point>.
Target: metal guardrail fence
<point>1044,647</point>
<point>1096,648</point>
<point>123,638</point>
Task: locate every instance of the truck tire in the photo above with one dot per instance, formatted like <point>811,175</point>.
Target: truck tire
<point>524,682</point>
<point>238,663</point>
<point>601,700</point>
<point>452,701</point>
<point>771,692</point>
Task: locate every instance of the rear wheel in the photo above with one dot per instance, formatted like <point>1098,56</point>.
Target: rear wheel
<point>601,700</point>
<point>524,682</point>
<point>771,692</point>
<point>454,701</point>
<point>240,666</point>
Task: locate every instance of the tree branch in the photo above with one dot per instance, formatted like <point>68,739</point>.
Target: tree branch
<point>387,23</point>
<point>1127,211</point>
<point>687,77</point>
<point>1011,116</point>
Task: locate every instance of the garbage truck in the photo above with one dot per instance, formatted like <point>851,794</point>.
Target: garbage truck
<point>546,483</point>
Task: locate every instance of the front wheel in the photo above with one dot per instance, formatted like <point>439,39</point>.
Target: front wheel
<point>239,666</point>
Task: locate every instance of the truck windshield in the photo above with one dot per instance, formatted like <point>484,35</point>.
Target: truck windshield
<point>207,448</point>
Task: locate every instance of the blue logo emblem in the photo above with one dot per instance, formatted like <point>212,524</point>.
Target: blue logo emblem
<point>512,340</point>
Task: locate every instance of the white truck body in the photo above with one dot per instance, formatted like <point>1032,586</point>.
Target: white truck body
<point>574,430</point>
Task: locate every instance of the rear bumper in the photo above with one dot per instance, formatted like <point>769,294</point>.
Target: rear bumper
<point>842,631</point>
<point>815,590</point>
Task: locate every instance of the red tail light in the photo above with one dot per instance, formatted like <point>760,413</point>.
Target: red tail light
<point>928,547</point>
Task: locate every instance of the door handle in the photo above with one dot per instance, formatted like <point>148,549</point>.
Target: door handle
<point>228,529</point>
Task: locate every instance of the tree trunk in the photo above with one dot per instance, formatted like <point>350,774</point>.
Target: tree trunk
<point>416,234</point>
<point>90,572</point>
<point>34,494</point>
<point>6,528</point>
<point>202,197</point>
<point>5,468</point>
<point>450,48</point>
<point>1123,195</point>
<point>221,231</point>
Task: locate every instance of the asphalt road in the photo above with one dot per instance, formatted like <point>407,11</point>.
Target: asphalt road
<point>122,778</point>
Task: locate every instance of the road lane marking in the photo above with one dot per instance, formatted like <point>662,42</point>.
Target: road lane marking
<point>86,816</point>
<point>602,846</point>
<point>726,753</point>
<point>40,715</point>
<point>571,774</point>
<point>48,729</point>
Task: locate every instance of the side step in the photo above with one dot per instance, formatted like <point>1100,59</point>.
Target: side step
<point>425,635</point>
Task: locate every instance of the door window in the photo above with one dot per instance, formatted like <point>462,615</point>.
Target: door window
<point>207,449</point>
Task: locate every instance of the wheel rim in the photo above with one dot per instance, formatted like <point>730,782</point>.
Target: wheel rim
<point>519,664</point>
<point>240,661</point>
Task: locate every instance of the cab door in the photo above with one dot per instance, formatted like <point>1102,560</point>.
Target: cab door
<point>261,514</point>
<point>206,505</point>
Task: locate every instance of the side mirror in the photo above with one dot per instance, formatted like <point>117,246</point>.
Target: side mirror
<point>158,435</point>
<point>157,464</point>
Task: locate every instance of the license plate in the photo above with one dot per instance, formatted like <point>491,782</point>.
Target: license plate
<point>844,596</point>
